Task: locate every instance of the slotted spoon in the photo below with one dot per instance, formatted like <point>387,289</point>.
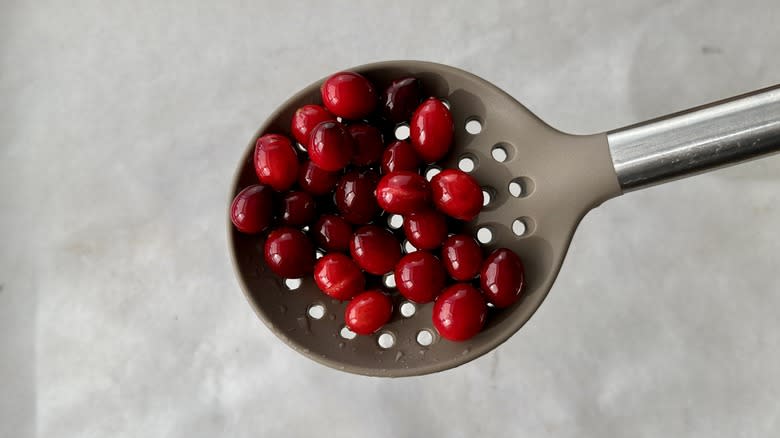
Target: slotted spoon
<point>540,182</point>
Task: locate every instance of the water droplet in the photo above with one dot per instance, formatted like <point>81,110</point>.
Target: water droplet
<point>398,356</point>
<point>354,349</point>
<point>422,352</point>
<point>283,309</point>
<point>341,345</point>
<point>466,351</point>
<point>331,317</point>
<point>303,321</point>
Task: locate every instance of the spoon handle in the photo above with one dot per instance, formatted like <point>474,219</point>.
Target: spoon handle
<point>697,140</point>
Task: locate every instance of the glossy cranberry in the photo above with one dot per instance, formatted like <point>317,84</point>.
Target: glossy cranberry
<point>305,119</point>
<point>276,162</point>
<point>348,95</point>
<point>375,249</point>
<point>332,233</point>
<point>400,155</point>
<point>315,180</point>
<point>400,99</point>
<point>298,208</point>
<point>368,144</point>
<point>502,278</point>
<point>252,209</point>
<point>330,146</point>
<point>425,229</point>
<point>355,198</point>
<point>420,277</point>
<point>289,253</point>
<point>431,130</point>
<point>459,312</point>
<point>403,192</point>
<point>462,257</point>
<point>338,276</point>
<point>456,194</point>
<point>368,312</point>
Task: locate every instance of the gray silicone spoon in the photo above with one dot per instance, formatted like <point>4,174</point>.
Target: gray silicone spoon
<point>540,182</point>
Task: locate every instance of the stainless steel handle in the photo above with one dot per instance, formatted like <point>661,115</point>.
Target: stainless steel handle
<point>697,140</point>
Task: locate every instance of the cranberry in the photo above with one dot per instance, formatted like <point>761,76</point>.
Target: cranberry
<point>401,98</point>
<point>459,312</point>
<point>462,257</point>
<point>276,161</point>
<point>315,180</point>
<point>368,312</point>
<point>403,192</point>
<point>289,253</point>
<point>502,277</point>
<point>338,276</point>
<point>425,229</point>
<point>368,144</point>
<point>375,249</point>
<point>330,146</point>
<point>400,155</point>
<point>431,130</point>
<point>332,233</point>
<point>355,198</point>
<point>252,209</point>
<point>305,119</point>
<point>419,277</point>
<point>349,95</point>
<point>298,208</point>
<point>456,194</point>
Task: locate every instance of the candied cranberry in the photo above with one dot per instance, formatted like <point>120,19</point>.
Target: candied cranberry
<point>431,130</point>
<point>332,233</point>
<point>459,312</point>
<point>330,146</point>
<point>315,180</point>
<point>419,276</point>
<point>425,229</point>
<point>338,276</point>
<point>368,144</point>
<point>400,155</point>
<point>348,95</point>
<point>403,192</point>
<point>289,253</point>
<point>456,194</point>
<point>502,277</point>
<point>298,208</point>
<point>355,198</point>
<point>252,209</point>
<point>276,162</point>
<point>305,119</point>
<point>368,312</point>
<point>462,257</point>
<point>375,249</point>
<point>400,99</point>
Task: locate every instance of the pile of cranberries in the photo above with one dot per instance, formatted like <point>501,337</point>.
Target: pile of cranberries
<point>337,196</point>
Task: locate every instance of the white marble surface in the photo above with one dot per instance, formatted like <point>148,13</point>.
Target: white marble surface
<point>121,124</point>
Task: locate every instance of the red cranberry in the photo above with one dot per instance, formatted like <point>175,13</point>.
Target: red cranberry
<point>349,95</point>
<point>252,209</point>
<point>276,161</point>
<point>425,229</point>
<point>315,180</point>
<point>330,146</point>
<point>298,208</point>
<point>431,130</point>
<point>400,155</point>
<point>459,312</point>
<point>332,233</point>
<point>456,194</point>
<point>305,119</point>
<point>462,257</point>
<point>502,278</point>
<point>355,198</point>
<point>368,144</point>
<point>401,98</point>
<point>289,253</point>
<point>419,277</point>
<point>375,249</point>
<point>368,312</point>
<point>403,192</point>
<point>338,276</point>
